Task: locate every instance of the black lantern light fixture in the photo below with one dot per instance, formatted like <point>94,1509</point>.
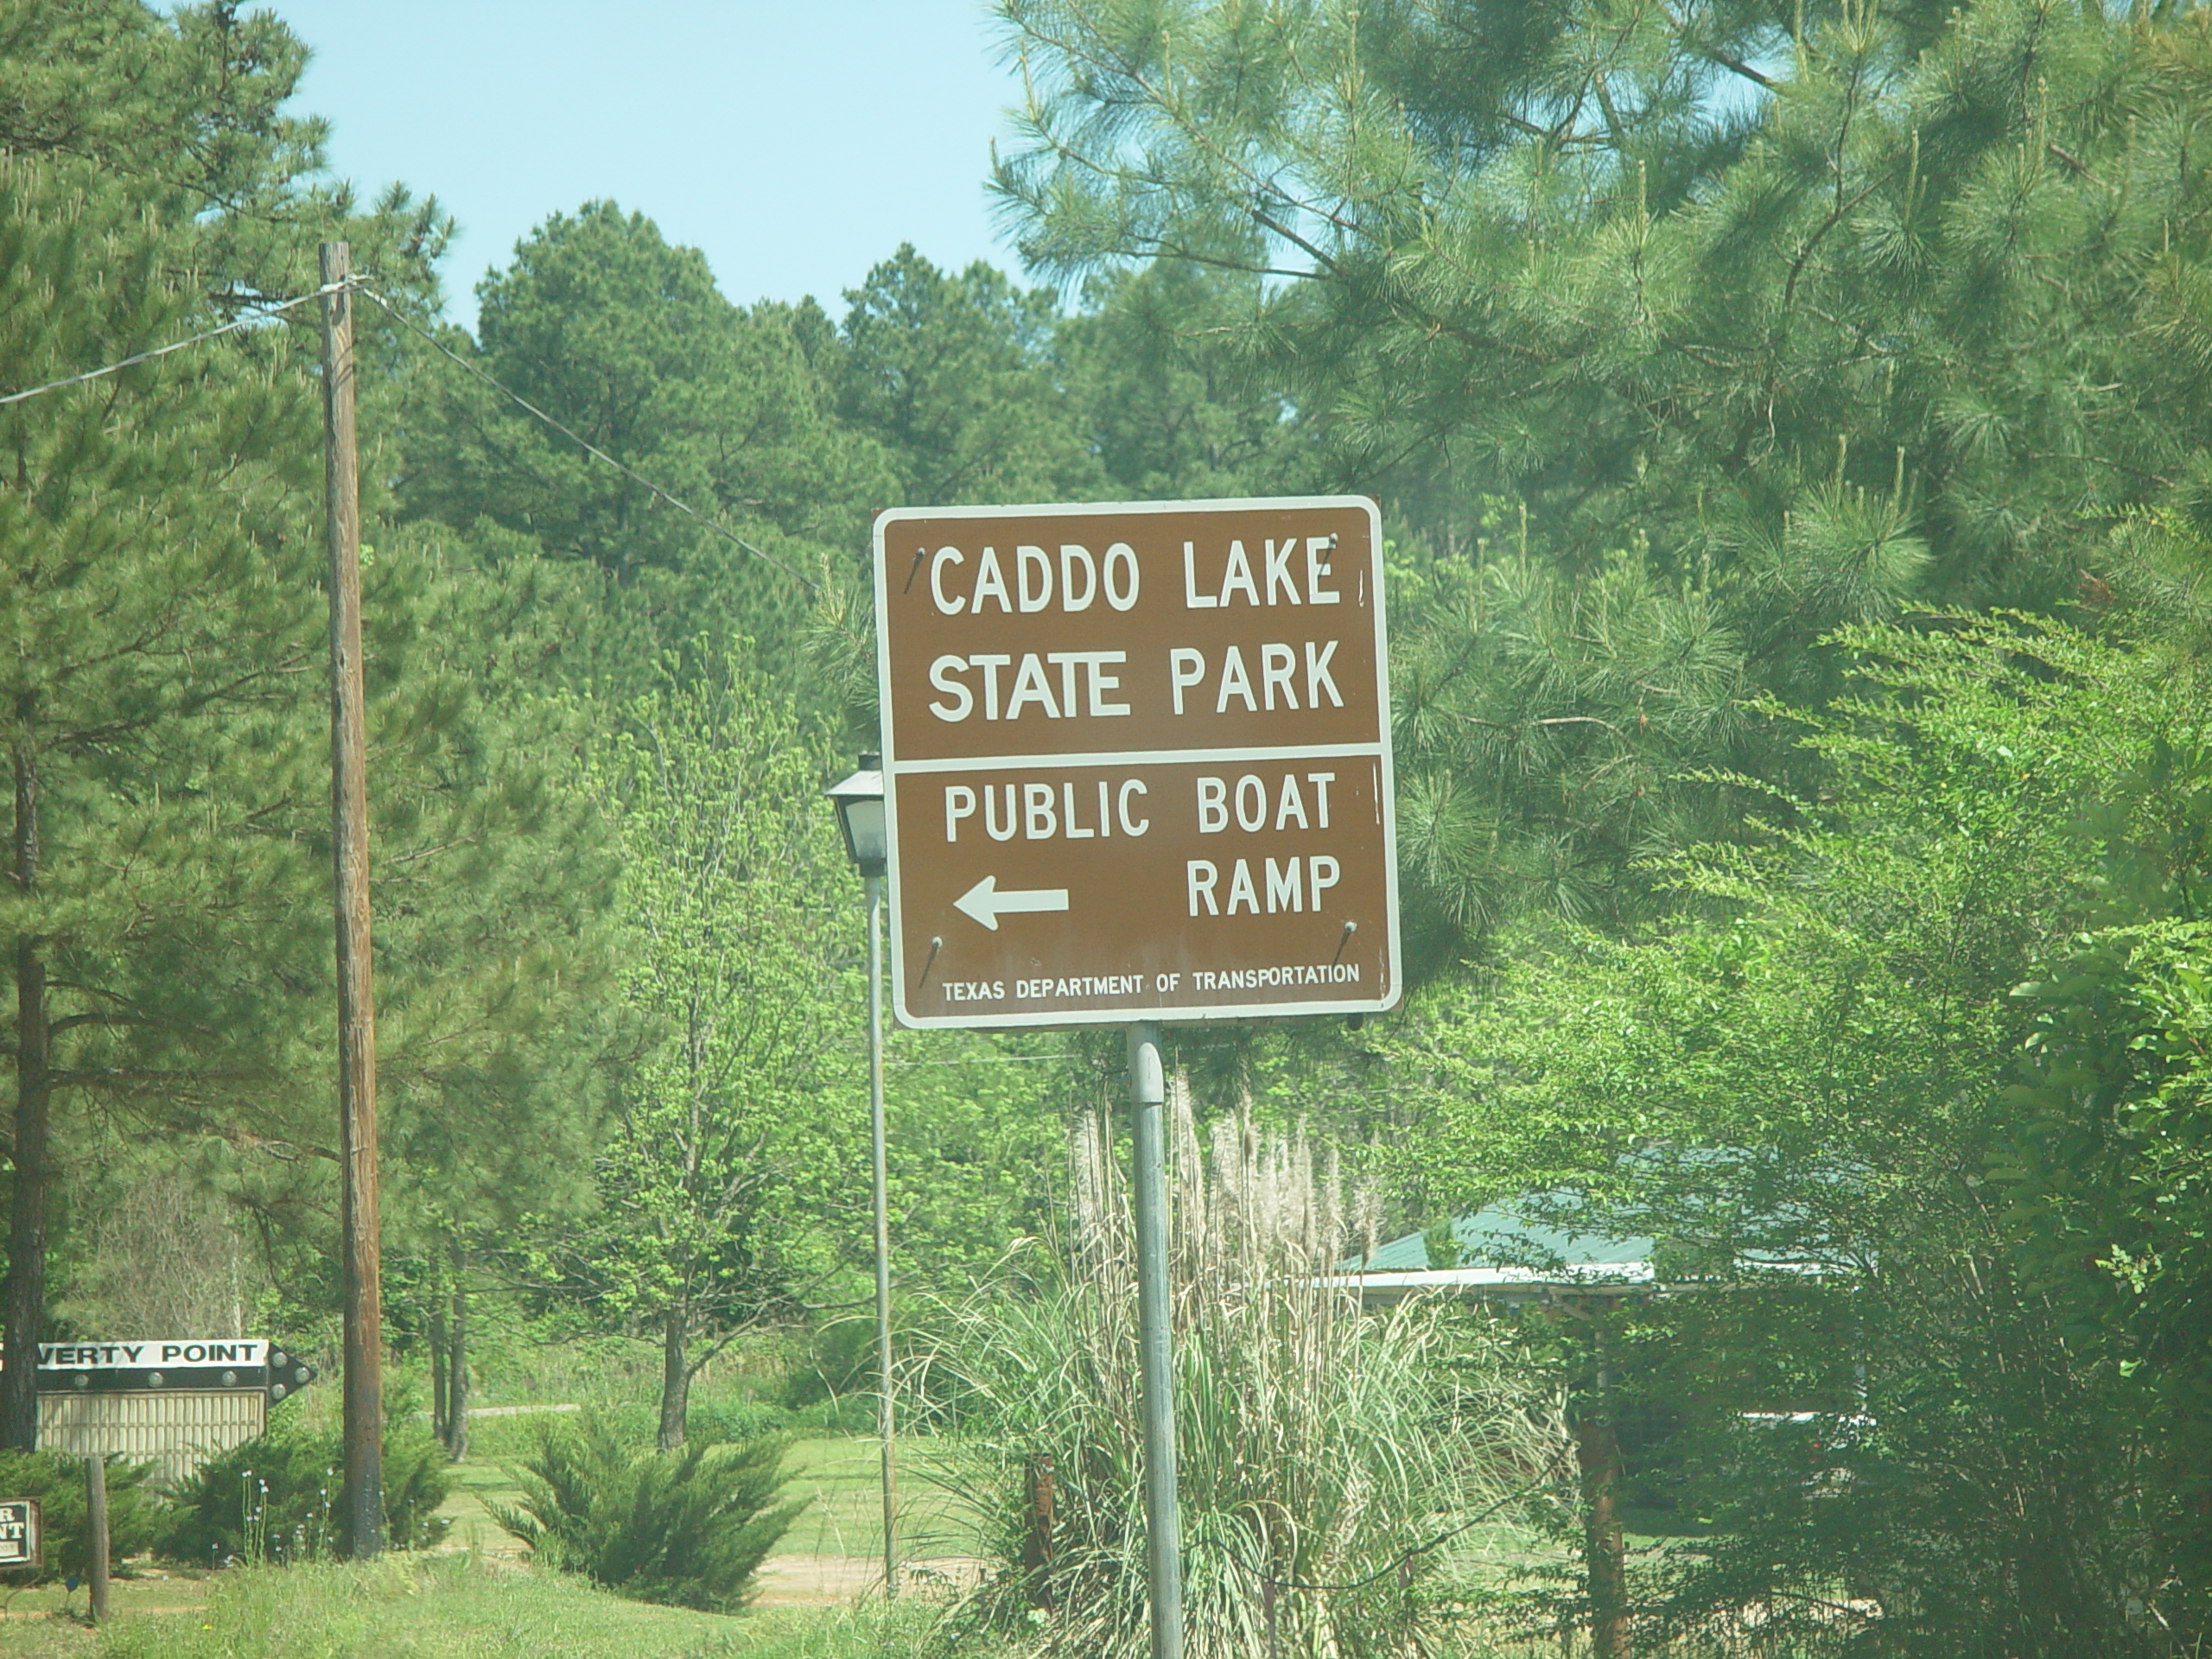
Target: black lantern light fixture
<point>859,801</point>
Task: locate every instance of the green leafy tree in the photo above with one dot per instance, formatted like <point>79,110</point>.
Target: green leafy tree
<point>974,1126</point>
<point>718,1129</point>
<point>1821,1066</point>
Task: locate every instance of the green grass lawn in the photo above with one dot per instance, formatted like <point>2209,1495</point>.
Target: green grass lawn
<point>841,1478</point>
<point>464,1606</point>
<point>35,1622</point>
<point>452,1606</point>
<point>475,1600</point>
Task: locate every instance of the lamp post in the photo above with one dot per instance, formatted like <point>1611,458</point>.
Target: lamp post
<point>859,801</point>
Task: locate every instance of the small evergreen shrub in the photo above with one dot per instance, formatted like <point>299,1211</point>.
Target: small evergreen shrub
<point>686,1528</point>
<point>275,1498</point>
<point>57,1479</point>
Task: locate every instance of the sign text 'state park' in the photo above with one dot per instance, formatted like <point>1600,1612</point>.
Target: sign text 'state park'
<point>1137,762</point>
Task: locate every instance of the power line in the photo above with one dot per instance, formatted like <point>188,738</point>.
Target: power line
<point>232,326</point>
<point>990,1060</point>
<point>581,443</point>
<point>440,346</point>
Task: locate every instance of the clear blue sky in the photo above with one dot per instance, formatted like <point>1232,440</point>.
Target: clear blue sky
<point>797,141</point>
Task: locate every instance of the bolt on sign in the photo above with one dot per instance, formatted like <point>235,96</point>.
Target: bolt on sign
<point>1137,762</point>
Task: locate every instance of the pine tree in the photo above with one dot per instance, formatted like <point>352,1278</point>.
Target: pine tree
<point>166,910</point>
<point>626,340</point>
<point>956,374</point>
<point>1173,409</point>
<point>1770,320</point>
<point>159,589</point>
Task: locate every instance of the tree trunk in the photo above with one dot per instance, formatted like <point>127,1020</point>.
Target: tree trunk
<point>1597,1454</point>
<point>456,1435</point>
<point>440,1423</point>
<point>675,1380</point>
<point>26,1294</point>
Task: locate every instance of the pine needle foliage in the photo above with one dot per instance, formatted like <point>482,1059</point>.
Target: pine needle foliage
<point>1673,339</point>
<point>686,1528</point>
<point>1319,1449</point>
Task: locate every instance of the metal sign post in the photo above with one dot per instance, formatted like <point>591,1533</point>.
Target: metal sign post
<point>1136,768</point>
<point>1155,1344</point>
<point>886,1429</point>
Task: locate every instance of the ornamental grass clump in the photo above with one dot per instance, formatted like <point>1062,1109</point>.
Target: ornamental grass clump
<point>1328,1457</point>
<point>686,1528</point>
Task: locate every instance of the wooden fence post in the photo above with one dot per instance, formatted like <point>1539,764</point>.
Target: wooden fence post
<point>95,1534</point>
<point>1037,1545</point>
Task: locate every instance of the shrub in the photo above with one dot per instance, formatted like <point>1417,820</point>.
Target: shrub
<point>57,1479</point>
<point>839,1359</point>
<point>1325,1455</point>
<point>275,1498</point>
<point>729,1421</point>
<point>686,1528</point>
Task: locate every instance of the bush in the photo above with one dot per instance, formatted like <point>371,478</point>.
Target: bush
<point>57,1479</point>
<point>731,1421</point>
<point>839,1359</point>
<point>686,1528</point>
<point>275,1498</point>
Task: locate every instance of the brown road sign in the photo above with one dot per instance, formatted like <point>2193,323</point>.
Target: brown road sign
<point>1137,762</point>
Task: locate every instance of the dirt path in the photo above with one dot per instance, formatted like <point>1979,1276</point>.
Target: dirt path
<point>823,1580</point>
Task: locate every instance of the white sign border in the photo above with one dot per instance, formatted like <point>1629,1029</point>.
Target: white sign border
<point>1207,1014</point>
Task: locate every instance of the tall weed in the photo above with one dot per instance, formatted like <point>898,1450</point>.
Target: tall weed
<point>1325,1455</point>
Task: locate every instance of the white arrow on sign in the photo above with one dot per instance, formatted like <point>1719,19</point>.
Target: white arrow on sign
<point>987,904</point>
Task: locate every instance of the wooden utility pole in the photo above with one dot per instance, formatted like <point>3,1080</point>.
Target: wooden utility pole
<point>362,1506</point>
<point>1597,1453</point>
<point>26,1282</point>
<point>96,1540</point>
